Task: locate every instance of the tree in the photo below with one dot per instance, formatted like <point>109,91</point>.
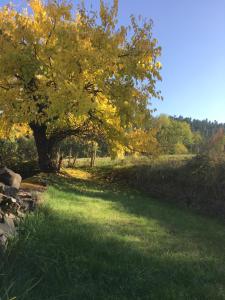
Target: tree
<point>197,142</point>
<point>205,127</point>
<point>173,136</point>
<point>216,144</point>
<point>83,75</point>
<point>144,142</point>
<point>93,152</point>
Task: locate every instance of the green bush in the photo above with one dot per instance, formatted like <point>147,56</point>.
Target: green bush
<point>20,155</point>
<point>181,149</point>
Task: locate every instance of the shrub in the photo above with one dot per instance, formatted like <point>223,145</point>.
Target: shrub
<point>181,149</point>
<point>198,183</point>
<point>19,155</point>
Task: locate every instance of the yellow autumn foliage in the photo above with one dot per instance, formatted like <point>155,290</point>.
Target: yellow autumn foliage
<point>60,69</point>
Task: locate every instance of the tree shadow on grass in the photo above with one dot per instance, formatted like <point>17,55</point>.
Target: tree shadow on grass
<point>69,257</point>
<point>190,227</point>
<point>133,202</point>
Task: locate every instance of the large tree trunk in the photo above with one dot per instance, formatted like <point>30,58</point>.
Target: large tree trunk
<point>47,154</point>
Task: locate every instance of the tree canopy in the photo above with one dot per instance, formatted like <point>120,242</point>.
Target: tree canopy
<point>67,72</point>
<point>175,137</point>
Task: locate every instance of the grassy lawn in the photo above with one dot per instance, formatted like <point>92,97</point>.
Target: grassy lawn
<point>94,241</point>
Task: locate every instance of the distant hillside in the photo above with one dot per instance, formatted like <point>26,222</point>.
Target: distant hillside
<point>205,127</point>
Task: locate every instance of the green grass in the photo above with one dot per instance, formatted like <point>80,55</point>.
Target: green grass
<point>94,241</point>
<point>131,160</point>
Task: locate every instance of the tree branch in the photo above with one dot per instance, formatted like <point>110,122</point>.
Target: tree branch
<point>51,32</point>
<point>4,88</point>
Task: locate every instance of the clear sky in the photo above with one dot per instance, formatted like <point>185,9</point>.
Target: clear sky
<point>192,36</point>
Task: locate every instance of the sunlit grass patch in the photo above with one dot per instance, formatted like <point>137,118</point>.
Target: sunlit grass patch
<point>77,173</point>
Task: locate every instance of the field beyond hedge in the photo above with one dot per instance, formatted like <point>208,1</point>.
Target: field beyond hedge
<point>93,240</point>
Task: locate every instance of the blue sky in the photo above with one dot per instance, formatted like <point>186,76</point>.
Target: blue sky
<point>192,36</point>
